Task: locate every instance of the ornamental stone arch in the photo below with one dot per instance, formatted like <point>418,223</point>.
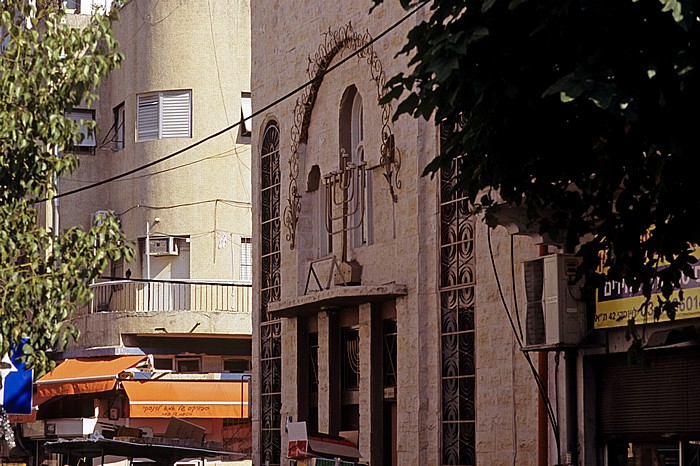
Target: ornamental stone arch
<point>335,43</point>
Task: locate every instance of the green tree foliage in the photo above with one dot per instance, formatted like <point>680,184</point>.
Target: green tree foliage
<point>46,69</point>
<point>582,113</point>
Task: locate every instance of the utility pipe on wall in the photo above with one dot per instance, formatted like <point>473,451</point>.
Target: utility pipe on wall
<point>542,419</point>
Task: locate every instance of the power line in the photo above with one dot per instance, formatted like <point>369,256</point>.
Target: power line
<point>176,282</point>
<point>254,114</point>
<point>220,155</point>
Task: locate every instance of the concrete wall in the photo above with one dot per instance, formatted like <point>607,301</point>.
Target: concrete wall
<point>203,194</point>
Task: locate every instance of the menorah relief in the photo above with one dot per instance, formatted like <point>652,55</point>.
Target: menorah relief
<point>345,203</point>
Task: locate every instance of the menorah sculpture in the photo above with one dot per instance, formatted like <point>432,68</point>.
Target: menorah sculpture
<point>345,211</point>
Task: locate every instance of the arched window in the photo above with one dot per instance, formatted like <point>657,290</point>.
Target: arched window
<point>270,329</point>
<point>352,142</point>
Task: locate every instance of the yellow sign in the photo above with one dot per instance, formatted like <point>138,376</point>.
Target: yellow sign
<point>616,303</point>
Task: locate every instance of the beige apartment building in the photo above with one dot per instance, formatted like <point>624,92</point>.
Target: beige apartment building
<point>376,310</point>
<point>176,320</point>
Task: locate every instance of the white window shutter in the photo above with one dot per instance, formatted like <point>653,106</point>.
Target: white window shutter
<point>176,114</point>
<point>147,117</point>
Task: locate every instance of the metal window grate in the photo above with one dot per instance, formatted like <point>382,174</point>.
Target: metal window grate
<point>457,307</point>
<point>270,330</point>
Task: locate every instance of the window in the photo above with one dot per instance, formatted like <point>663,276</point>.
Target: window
<point>236,365</point>
<point>352,136</point>
<point>163,364</point>
<point>119,127</point>
<point>270,290</point>
<point>351,359</point>
<point>246,111</point>
<point>85,139</point>
<point>357,155</point>
<point>72,5</point>
<point>326,238</point>
<point>187,365</point>
<point>246,260</point>
<point>389,363</point>
<point>164,115</point>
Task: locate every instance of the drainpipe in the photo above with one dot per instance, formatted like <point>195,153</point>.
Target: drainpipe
<point>542,419</point>
<point>571,392</point>
<point>571,408</point>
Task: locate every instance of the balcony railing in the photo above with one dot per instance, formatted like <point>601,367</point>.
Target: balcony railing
<point>169,295</point>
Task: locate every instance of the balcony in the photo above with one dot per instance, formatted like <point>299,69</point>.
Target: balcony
<point>169,295</point>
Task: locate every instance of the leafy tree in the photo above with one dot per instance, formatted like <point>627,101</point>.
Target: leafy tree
<point>580,113</point>
<point>46,69</point>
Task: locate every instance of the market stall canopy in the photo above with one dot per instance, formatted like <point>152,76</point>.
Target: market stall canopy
<point>162,454</point>
<point>187,398</point>
<point>85,375</point>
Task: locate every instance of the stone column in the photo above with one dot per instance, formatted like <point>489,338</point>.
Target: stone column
<point>302,365</point>
<point>371,386</point>
<point>289,377</point>
<point>328,372</point>
<point>408,401</point>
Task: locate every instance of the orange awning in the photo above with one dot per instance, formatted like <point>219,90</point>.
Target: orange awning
<point>85,375</point>
<point>185,398</point>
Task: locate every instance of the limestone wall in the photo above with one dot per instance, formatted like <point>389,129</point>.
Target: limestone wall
<point>406,234</point>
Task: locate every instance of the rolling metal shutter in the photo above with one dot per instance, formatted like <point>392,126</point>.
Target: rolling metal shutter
<point>663,399</point>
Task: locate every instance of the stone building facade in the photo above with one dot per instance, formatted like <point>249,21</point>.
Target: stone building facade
<point>377,307</point>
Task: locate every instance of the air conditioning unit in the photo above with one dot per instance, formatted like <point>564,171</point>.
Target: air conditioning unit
<point>555,312</point>
<point>98,216</point>
<point>73,427</point>
<point>162,246</point>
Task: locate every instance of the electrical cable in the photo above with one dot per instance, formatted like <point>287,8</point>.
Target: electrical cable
<point>515,293</point>
<point>221,87</point>
<point>177,282</point>
<point>540,386</point>
<point>220,155</point>
<point>264,109</point>
<point>245,205</point>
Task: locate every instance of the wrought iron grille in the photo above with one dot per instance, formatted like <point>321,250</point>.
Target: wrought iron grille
<point>270,329</point>
<point>457,265</point>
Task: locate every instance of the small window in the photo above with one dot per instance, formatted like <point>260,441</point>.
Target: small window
<point>185,365</point>
<point>85,139</point>
<point>119,127</point>
<point>164,115</point>
<point>246,112</point>
<point>236,365</point>
<point>246,260</point>
<point>163,364</point>
<point>72,5</point>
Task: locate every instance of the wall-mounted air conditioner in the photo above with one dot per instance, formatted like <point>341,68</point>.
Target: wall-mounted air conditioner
<point>78,427</point>
<point>98,216</point>
<point>162,246</point>
<point>555,312</point>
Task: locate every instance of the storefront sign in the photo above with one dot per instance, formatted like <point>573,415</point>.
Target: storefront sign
<point>616,303</point>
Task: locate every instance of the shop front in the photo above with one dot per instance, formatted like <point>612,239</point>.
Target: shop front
<point>649,413</point>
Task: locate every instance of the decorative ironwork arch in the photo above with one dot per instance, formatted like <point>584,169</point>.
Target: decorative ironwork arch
<point>335,43</point>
